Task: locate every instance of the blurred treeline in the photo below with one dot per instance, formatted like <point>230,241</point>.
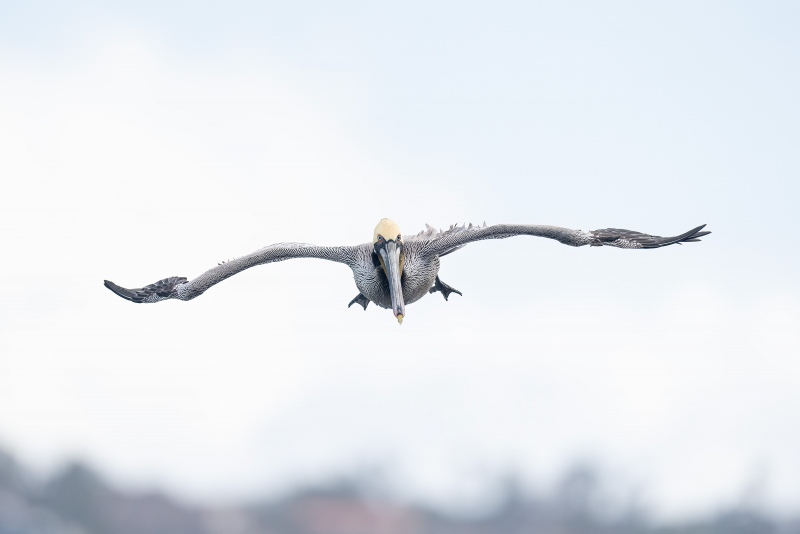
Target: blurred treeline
<point>77,500</point>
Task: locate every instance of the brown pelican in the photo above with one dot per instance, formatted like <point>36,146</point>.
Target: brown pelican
<point>395,270</point>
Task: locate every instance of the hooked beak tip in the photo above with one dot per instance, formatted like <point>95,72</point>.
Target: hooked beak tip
<point>400,318</point>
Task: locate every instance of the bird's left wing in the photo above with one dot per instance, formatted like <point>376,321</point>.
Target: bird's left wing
<point>178,287</point>
<point>435,243</point>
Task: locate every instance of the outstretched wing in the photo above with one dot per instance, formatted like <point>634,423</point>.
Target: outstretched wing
<point>440,243</point>
<point>181,288</point>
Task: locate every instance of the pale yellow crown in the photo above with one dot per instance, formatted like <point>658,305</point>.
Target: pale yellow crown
<point>387,228</point>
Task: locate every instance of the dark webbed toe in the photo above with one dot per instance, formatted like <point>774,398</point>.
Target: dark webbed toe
<point>360,299</point>
<point>445,289</point>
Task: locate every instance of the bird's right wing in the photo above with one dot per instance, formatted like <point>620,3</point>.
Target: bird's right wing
<point>431,242</point>
<point>178,287</point>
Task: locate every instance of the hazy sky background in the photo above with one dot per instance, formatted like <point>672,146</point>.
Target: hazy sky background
<point>149,140</point>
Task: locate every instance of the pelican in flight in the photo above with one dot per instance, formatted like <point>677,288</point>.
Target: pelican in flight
<point>395,270</point>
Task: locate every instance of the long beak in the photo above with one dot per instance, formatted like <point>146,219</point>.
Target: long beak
<point>391,260</point>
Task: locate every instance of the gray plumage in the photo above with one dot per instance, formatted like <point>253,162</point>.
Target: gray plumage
<point>421,254</point>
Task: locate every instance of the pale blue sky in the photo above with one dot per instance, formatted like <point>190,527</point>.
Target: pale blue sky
<point>147,140</point>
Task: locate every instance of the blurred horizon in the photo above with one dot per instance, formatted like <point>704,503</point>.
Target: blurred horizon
<point>77,498</point>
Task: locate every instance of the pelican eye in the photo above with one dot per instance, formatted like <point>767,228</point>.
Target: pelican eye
<point>399,237</point>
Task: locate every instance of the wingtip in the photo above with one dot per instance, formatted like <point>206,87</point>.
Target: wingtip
<point>695,230</point>
<point>697,233</point>
<point>694,234</point>
<point>120,291</point>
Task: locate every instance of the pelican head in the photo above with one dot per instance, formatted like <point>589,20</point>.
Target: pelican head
<point>388,243</point>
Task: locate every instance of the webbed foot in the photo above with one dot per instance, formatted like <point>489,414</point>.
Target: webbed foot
<point>360,299</point>
<point>438,285</point>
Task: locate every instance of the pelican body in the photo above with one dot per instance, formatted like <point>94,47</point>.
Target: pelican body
<point>395,270</point>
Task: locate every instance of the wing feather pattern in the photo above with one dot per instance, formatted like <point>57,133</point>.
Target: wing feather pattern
<point>184,289</point>
<point>439,243</point>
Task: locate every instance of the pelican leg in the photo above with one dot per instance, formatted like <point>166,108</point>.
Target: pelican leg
<point>360,299</point>
<point>444,288</point>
